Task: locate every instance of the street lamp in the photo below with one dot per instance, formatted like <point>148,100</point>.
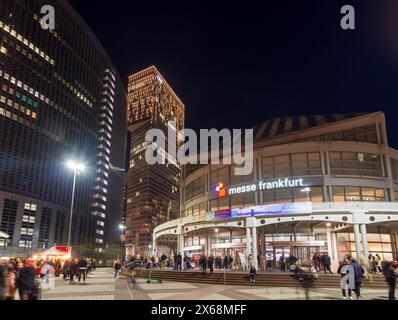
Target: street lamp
<point>77,168</point>
<point>307,191</point>
<point>122,227</point>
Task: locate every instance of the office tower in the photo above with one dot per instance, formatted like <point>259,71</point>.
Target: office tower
<point>153,190</point>
<point>60,99</point>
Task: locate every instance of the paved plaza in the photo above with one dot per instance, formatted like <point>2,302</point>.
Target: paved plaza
<point>101,286</point>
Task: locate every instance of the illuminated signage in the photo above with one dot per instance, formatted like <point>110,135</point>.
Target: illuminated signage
<point>264,210</point>
<point>281,183</point>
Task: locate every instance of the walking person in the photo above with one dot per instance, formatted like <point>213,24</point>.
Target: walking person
<point>327,264</point>
<point>203,263</point>
<point>12,281</point>
<point>94,264</point>
<point>359,274</point>
<point>391,279</point>
<point>47,273</point>
<point>82,269</point>
<point>179,262</point>
<point>26,284</point>
<point>3,281</point>
<point>316,260</point>
<point>253,274</point>
<point>378,263</point>
<point>210,263</point>
<point>66,268</point>
<point>282,261</point>
<point>118,269</point>
<point>347,273</point>
<point>72,271</point>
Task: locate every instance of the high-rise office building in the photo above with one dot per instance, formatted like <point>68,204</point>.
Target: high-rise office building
<point>153,190</point>
<point>60,99</point>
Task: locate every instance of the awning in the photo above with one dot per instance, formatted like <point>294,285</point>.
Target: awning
<point>4,235</point>
<point>52,252</point>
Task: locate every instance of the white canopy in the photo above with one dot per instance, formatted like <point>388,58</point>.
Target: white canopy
<point>4,235</point>
<point>52,252</point>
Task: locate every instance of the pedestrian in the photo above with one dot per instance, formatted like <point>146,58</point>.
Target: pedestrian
<point>47,273</point>
<point>94,264</point>
<point>203,263</point>
<point>327,264</point>
<point>347,273</point>
<point>282,262</point>
<point>359,274</point>
<point>118,269</point>
<point>66,268</point>
<point>3,281</point>
<point>163,259</point>
<point>82,269</point>
<point>391,278</point>
<point>316,260</point>
<point>57,267</point>
<point>253,274</point>
<point>378,263</point>
<point>230,261</point>
<point>372,263</point>
<point>210,263</point>
<point>12,281</point>
<point>72,270</point>
<point>179,262</point>
<point>26,284</point>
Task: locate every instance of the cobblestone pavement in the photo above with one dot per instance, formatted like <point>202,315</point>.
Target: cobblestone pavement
<point>101,286</point>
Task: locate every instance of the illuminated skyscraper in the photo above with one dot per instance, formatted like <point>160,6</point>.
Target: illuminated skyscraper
<point>61,98</point>
<point>153,190</point>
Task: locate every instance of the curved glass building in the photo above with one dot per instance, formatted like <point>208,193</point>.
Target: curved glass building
<point>61,98</point>
<point>319,184</point>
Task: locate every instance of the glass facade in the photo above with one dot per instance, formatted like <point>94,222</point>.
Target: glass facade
<point>357,164</point>
<point>347,194</point>
<point>60,99</point>
<point>301,164</point>
<point>366,134</point>
<point>378,244</point>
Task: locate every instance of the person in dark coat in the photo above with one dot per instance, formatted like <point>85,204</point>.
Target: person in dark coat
<point>179,261</point>
<point>230,261</point>
<point>327,264</point>
<point>82,269</point>
<point>391,278</point>
<point>72,270</point>
<point>359,272</point>
<point>210,263</point>
<point>26,283</point>
<point>203,263</point>
<point>253,274</point>
<point>225,262</point>
<point>3,281</point>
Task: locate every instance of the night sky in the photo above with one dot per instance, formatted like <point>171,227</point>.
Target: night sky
<point>237,65</point>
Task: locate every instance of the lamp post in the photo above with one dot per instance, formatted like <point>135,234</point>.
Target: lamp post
<point>77,169</point>
<point>307,191</point>
<point>121,228</point>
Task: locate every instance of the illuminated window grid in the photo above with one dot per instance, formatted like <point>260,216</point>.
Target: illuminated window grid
<point>26,42</point>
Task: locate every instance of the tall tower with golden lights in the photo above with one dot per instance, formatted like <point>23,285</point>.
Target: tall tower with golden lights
<point>153,193</point>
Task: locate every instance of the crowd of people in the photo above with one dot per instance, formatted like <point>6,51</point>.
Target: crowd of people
<point>28,277</point>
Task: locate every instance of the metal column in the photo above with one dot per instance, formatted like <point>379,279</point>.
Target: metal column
<point>255,245</point>
<point>357,236</point>
<point>365,245</point>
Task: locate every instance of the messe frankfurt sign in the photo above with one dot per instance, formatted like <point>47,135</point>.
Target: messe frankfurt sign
<point>281,183</point>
